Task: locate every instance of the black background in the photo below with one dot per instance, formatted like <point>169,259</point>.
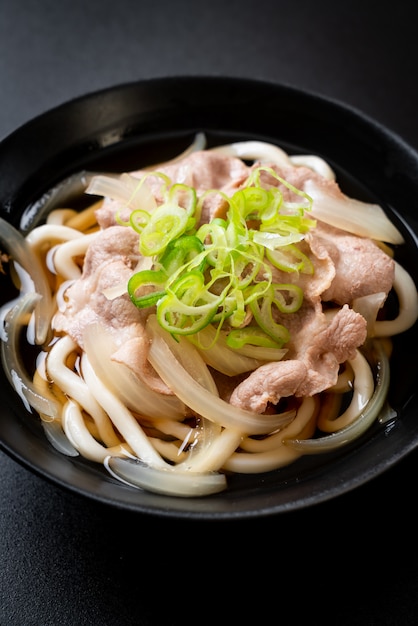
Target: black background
<point>66,560</point>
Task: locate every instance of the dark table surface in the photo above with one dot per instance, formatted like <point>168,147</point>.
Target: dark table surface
<point>70,561</point>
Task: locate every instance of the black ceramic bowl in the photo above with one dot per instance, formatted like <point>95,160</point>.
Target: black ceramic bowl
<point>132,125</point>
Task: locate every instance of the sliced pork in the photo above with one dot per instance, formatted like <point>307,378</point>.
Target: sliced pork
<point>109,263</point>
<point>317,348</point>
<point>345,267</point>
<point>202,170</point>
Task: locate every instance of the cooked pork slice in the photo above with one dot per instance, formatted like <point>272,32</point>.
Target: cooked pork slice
<point>109,262</point>
<point>202,170</point>
<point>362,268</point>
<point>312,363</point>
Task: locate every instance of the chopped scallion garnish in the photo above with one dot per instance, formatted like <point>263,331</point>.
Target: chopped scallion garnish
<point>221,272</point>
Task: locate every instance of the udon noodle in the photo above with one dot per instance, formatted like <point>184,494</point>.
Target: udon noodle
<point>198,347</point>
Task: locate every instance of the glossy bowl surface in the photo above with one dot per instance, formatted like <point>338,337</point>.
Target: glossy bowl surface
<point>134,124</point>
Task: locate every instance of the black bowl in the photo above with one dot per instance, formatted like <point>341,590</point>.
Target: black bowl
<point>131,125</point>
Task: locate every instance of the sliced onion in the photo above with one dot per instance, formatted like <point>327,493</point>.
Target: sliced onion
<point>99,347</point>
<point>188,356</point>
<point>121,417</point>
<point>214,444</point>
<point>167,481</point>
<point>127,189</point>
<point>222,358</point>
<point>369,307</point>
<point>202,401</point>
<point>21,252</point>
<point>12,362</point>
<point>213,456</point>
<point>362,423</point>
<point>361,218</point>
<point>57,438</point>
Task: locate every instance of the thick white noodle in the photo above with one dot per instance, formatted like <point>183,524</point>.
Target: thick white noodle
<point>363,389</point>
<point>77,389</point>
<point>63,256</point>
<point>407,294</point>
<point>49,234</point>
<point>121,417</point>
<point>79,436</point>
<point>356,428</point>
<point>273,454</point>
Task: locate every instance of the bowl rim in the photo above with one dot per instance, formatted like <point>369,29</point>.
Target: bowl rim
<point>23,187</point>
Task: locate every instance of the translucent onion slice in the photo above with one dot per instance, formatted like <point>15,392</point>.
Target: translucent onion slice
<point>137,396</point>
<point>127,189</point>
<point>57,438</point>
<point>165,481</point>
<point>369,307</point>
<point>361,218</point>
<point>13,367</point>
<point>214,444</point>
<point>21,252</point>
<point>213,456</point>
<point>362,423</point>
<point>187,355</point>
<point>218,355</point>
<point>202,401</point>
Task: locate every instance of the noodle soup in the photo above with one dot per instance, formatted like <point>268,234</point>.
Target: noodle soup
<point>204,317</point>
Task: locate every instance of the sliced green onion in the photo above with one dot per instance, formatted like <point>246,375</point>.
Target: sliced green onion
<point>253,335</point>
<point>179,252</point>
<point>165,224</point>
<point>187,307</point>
<point>261,309</point>
<point>200,399</point>
<point>290,259</point>
<point>146,278</point>
<point>213,274</point>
